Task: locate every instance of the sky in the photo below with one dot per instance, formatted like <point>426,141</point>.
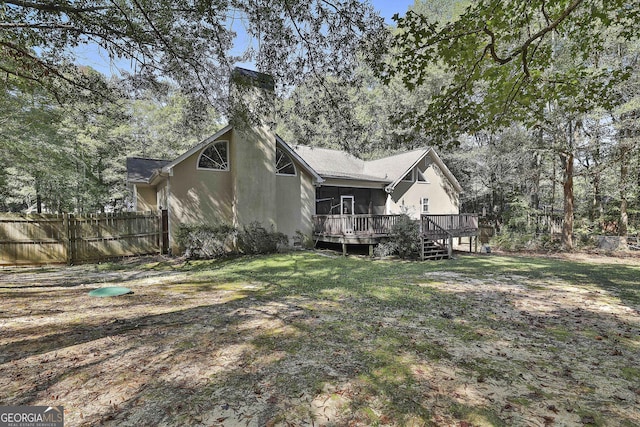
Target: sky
<point>388,8</point>
<point>98,59</point>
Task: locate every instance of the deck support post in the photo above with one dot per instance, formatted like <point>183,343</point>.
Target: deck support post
<point>344,249</point>
<point>371,251</point>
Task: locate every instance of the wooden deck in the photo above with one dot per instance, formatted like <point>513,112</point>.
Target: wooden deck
<point>372,229</point>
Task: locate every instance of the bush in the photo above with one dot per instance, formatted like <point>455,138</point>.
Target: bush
<point>205,241</point>
<point>302,240</point>
<point>255,239</point>
<point>513,242</point>
<point>385,249</point>
<point>405,236</point>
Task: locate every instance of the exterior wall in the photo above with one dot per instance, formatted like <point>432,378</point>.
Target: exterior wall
<point>253,171</point>
<point>162,195</point>
<point>443,198</point>
<point>145,198</point>
<point>295,204</point>
<point>199,196</point>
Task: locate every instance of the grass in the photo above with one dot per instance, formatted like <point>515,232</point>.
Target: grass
<point>294,338</point>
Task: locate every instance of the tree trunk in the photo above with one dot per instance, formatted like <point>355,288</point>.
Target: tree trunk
<point>623,225</point>
<point>567,158</point>
<point>554,179</point>
<point>567,182</point>
<point>38,196</point>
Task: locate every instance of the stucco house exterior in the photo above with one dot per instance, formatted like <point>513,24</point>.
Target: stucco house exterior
<point>246,173</point>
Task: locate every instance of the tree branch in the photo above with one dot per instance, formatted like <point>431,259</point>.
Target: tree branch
<point>55,8</point>
<point>522,50</point>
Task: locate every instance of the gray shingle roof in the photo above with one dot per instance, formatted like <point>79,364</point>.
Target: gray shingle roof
<point>140,170</point>
<point>339,164</point>
<point>395,166</point>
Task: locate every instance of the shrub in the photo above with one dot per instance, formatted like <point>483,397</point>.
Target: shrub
<point>385,249</point>
<point>405,236</point>
<point>255,239</point>
<point>302,240</point>
<point>205,241</point>
<point>513,242</point>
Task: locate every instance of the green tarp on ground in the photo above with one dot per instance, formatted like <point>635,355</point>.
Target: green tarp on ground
<point>112,291</point>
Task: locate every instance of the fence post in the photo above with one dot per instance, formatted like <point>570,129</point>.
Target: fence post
<point>160,234</point>
<point>66,238</point>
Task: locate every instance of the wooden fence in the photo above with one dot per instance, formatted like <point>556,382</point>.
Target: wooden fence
<point>68,238</point>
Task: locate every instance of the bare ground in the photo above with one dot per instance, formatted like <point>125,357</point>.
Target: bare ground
<point>203,347</point>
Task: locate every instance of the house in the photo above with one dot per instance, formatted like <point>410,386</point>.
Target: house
<point>416,182</point>
<point>245,173</point>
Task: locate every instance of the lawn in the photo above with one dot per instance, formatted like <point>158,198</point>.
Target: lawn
<point>314,339</point>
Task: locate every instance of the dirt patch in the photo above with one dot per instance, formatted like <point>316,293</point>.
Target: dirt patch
<point>307,340</point>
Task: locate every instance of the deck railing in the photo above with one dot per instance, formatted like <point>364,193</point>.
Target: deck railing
<point>380,225</point>
<point>432,230</point>
<point>338,225</point>
<point>454,223</point>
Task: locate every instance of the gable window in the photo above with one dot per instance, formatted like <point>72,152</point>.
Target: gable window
<point>409,176</point>
<point>424,203</point>
<point>284,164</point>
<point>420,176</point>
<point>215,156</point>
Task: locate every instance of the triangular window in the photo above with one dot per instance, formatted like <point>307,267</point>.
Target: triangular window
<point>420,176</point>
<point>284,164</point>
<point>409,176</point>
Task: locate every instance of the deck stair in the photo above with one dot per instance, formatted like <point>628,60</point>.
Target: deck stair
<point>436,242</point>
<point>434,250</point>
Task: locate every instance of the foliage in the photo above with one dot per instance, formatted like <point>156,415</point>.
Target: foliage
<point>255,239</point>
<point>405,236</point>
<point>191,43</point>
<point>385,249</point>
<point>513,49</point>
<point>72,158</point>
<point>302,240</point>
<point>515,241</point>
<point>544,66</point>
<point>205,241</point>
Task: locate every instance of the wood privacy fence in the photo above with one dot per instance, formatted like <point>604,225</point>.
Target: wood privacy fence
<point>68,238</point>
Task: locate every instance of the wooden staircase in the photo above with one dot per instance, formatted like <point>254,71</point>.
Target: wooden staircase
<point>436,242</point>
<point>431,249</point>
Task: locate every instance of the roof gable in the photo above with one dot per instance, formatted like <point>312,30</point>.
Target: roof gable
<point>167,168</point>
<point>395,167</point>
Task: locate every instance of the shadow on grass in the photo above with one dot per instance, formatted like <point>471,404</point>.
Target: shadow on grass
<point>311,327</point>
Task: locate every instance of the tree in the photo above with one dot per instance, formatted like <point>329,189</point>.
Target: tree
<point>193,43</point>
<point>511,61</point>
<point>502,54</point>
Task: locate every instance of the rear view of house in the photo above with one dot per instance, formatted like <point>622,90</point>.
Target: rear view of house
<point>246,173</point>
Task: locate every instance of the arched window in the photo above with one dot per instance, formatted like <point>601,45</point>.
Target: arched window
<point>215,156</point>
<point>284,164</point>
